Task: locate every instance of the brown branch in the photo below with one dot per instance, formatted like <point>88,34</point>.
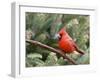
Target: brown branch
<point>53,50</point>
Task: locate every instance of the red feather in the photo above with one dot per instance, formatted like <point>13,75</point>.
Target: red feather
<point>66,43</point>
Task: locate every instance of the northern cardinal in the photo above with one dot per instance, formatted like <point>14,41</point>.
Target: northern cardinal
<point>66,43</point>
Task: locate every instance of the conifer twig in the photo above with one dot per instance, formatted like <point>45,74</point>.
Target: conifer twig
<point>37,43</point>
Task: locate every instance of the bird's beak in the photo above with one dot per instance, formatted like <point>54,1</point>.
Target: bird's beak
<point>57,36</point>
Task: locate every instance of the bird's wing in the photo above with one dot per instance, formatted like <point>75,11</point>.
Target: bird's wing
<point>74,44</point>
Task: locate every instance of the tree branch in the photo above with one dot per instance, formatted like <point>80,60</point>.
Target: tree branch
<point>53,50</point>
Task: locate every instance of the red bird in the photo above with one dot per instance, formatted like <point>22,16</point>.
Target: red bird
<point>66,43</point>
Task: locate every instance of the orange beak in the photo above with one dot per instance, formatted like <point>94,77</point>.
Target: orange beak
<point>57,36</point>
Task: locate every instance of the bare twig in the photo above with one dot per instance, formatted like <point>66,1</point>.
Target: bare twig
<point>53,50</point>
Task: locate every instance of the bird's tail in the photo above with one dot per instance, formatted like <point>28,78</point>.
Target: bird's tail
<point>80,51</point>
<point>77,49</point>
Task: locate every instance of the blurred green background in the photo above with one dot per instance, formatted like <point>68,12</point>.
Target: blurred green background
<point>43,26</point>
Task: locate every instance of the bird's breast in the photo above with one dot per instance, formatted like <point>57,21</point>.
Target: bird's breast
<point>66,45</point>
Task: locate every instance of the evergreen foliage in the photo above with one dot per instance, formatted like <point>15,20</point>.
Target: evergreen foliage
<point>43,26</point>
